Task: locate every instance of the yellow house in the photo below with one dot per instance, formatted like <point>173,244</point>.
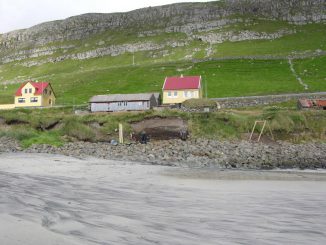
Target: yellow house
<point>35,94</point>
<point>179,89</point>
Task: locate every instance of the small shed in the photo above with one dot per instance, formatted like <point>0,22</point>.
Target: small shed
<point>305,104</point>
<point>312,104</point>
<point>321,104</point>
<point>122,102</point>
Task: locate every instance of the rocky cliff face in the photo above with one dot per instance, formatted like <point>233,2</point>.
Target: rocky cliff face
<point>185,17</point>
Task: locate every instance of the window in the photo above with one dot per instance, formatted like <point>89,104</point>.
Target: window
<point>30,90</point>
<point>50,92</point>
<point>189,94</point>
<point>172,94</point>
<point>34,99</point>
<point>21,100</point>
<point>123,103</point>
<point>26,90</point>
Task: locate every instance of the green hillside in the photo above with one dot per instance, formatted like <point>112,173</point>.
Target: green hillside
<point>229,68</point>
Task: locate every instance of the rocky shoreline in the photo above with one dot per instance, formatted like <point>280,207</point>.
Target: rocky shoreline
<point>193,153</point>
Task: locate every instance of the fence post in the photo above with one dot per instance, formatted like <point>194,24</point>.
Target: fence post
<point>120,133</point>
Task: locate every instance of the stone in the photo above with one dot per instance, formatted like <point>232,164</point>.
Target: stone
<point>193,153</point>
<point>188,18</point>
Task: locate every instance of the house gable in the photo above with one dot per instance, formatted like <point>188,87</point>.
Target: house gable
<point>38,88</point>
<point>35,94</point>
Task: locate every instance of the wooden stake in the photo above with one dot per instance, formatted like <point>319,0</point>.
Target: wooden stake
<point>262,131</point>
<point>265,123</point>
<point>253,130</point>
<point>120,133</point>
<point>270,130</point>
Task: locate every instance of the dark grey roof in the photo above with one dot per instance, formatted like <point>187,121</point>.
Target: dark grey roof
<point>121,97</point>
<point>157,95</point>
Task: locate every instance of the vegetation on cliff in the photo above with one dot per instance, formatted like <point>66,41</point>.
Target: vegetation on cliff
<point>240,48</point>
<point>56,126</point>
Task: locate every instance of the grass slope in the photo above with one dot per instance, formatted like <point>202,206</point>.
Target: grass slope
<point>75,84</point>
<point>76,81</point>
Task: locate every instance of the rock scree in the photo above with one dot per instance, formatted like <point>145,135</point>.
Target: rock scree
<point>193,153</point>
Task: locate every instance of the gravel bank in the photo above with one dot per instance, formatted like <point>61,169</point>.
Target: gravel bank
<point>194,153</point>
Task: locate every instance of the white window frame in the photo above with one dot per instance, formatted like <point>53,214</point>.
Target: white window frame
<point>34,99</point>
<point>173,94</point>
<point>189,94</point>
<point>21,100</point>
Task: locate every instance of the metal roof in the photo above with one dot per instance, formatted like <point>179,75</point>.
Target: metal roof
<point>157,95</point>
<point>39,87</point>
<point>183,82</point>
<point>121,97</point>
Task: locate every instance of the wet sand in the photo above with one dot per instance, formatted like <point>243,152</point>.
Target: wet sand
<point>50,199</point>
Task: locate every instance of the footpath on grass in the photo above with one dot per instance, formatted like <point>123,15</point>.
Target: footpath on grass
<point>193,153</point>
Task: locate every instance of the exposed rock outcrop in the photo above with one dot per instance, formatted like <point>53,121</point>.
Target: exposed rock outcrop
<point>51,42</point>
<point>115,50</point>
<point>232,36</point>
<point>193,15</point>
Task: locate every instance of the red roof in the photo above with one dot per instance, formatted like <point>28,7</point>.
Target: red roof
<point>176,83</point>
<point>40,86</point>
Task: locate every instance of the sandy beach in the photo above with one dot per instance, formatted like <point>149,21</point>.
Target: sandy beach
<point>53,199</point>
